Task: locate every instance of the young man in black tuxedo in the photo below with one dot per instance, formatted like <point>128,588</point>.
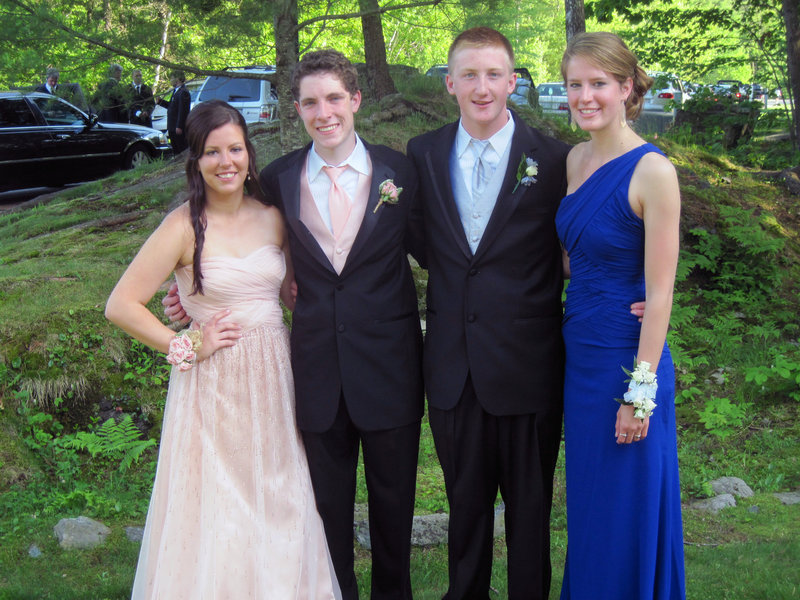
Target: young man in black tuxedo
<point>141,102</point>
<point>493,358</point>
<point>356,341</point>
<point>178,106</point>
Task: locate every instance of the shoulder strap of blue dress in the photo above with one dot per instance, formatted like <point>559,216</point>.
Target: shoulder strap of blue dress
<point>614,174</point>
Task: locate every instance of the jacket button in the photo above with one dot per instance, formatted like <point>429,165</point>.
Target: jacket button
<point>339,287</point>
<point>341,328</point>
<point>471,318</point>
<point>473,272</point>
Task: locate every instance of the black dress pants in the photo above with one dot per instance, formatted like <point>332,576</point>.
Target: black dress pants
<point>481,453</point>
<point>390,469</point>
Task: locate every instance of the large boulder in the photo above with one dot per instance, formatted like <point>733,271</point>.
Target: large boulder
<point>80,533</point>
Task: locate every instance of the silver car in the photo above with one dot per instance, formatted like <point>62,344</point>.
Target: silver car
<point>666,95</point>
<point>553,98</point>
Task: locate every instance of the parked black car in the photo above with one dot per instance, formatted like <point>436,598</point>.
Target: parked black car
<point>46,141</point>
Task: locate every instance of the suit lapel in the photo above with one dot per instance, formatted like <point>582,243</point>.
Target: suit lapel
<point>507,200</point>
<point>289,184</point>
<point>437,161</point>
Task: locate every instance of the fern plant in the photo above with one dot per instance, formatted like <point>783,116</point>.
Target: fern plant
<point>114,441</point>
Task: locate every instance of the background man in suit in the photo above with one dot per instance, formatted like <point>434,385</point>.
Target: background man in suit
<point>178,107</point>
<point>50,84</point>
<point>356,340</point>
<point>109,99</point>
<point>141,101</point>
<point>493,357</point>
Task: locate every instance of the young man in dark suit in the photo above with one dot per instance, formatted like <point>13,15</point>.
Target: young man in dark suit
<point>489,186</point>
<point>178,107</point>
<point>356,341</point>
<point>142,102</point>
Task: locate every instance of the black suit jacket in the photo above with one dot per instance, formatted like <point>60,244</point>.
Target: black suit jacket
<point>177,110</point>
<point>495,314</point>
<point>355,334</point>
<point>141,101</point>
<point>43,89</point>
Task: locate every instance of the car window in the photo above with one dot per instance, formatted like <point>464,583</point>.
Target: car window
<point>231,90</point>
<point>15,113</point>
<point>552,90</point>
<point>56,112</point>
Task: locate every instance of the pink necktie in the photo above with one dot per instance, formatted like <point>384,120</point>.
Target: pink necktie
<point>338,204</point>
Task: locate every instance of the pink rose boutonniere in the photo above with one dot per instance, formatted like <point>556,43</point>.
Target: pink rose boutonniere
<point>389,193</point>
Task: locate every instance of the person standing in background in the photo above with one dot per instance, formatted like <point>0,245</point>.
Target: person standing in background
<point>50,82</point>
<point>178,107</point>
<point>109,99</point>
<point>142,102</point>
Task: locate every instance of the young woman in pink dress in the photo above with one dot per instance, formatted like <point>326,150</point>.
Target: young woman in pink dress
<point>232,514</point>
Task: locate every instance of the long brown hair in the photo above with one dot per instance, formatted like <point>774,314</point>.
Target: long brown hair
<point>202,120</point>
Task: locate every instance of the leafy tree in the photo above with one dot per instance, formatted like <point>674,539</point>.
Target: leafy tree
<point>708,39</point>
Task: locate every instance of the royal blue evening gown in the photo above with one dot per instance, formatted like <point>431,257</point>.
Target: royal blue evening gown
<point>623,501</point>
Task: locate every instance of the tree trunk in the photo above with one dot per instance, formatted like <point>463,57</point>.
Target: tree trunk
<point>378,77</point>
<point>286,57</point>
<point>792,20</point>
<point>575,20</point>
<point>166,14</point>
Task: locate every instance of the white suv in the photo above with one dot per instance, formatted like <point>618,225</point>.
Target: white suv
<point>255,98</point>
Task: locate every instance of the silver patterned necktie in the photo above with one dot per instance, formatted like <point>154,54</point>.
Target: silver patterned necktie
<point>481,171</point>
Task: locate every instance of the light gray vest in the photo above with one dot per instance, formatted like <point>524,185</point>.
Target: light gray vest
<point>475,212</point>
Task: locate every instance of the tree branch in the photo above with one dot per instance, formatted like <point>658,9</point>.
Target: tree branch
<point>126,53</point>
<point>357,15</point>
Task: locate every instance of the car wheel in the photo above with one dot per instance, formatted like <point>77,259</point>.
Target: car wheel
<point>136,156</point>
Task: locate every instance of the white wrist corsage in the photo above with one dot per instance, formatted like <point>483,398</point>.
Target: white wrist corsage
<point>183,348</point>
<point>641,392</point>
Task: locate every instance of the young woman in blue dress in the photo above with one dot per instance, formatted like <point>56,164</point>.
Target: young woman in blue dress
<point>619,227</point>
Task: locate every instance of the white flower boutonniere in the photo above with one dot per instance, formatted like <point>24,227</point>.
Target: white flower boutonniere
<point>389,193</point>
<point>527,171</point>
<point>642,386</point>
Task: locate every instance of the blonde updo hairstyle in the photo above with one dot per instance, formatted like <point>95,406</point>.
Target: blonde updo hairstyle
<point>608,52</point>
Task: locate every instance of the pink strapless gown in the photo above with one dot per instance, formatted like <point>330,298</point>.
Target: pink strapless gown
<point>232,515</point>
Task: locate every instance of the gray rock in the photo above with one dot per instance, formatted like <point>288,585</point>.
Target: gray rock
<point>134,534</point>
<point>788,498</point>
<point>34,551</point>
<point>361,532</point>
<point>718,376</point>
<point>715,504</point>
<point>426,530</point>
<point>754,509</point>
<point>361,512</point>
<point>429,530</point>
<point>81,533</point>
<point>731,485</point>
<point>500,520</point>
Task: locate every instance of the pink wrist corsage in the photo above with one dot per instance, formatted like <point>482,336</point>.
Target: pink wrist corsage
<point>183,348</point>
